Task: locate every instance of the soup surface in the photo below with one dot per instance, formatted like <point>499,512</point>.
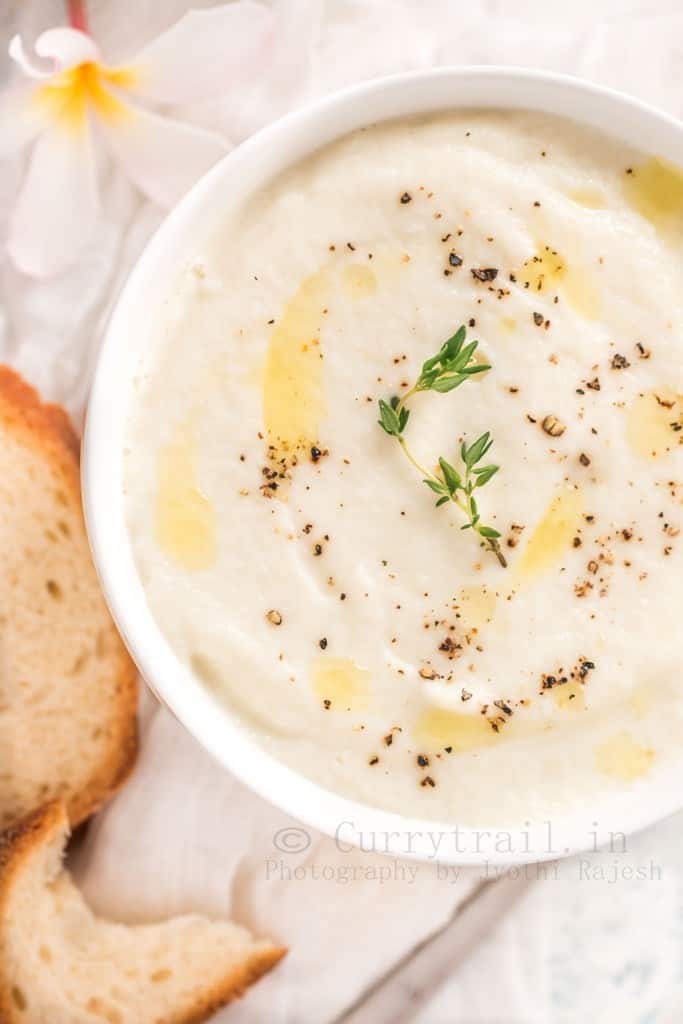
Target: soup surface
<point>289,547</point>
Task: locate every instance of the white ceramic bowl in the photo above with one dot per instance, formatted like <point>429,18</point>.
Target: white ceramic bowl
<point>241,173</point>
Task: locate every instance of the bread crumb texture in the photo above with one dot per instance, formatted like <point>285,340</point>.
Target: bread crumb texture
<point>59,964</point>
<point>68,689</point>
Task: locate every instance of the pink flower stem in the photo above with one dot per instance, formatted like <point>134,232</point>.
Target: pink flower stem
<point>78,15</point>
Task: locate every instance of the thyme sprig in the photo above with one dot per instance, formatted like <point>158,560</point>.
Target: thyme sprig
<point>447,370</point>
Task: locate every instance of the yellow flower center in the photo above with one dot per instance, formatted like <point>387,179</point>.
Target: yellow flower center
<point>67,97</point>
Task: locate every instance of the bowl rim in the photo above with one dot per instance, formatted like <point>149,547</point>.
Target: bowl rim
<point>216,729</point>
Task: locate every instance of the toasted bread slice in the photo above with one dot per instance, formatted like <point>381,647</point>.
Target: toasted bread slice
<point>59,964</point>
<point>68,689</point>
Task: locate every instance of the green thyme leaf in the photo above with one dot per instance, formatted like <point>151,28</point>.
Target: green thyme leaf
<point>477,450</point>
<point>454,345</point>
<point>465,355</point>
<point>436,486</point>
<point>448,383</point>
<point>388,419</point>
<point>431,364</point>
<point>451,367</point>
<point>450,475</point>
<point>484,474</point>
<point>477,368</point>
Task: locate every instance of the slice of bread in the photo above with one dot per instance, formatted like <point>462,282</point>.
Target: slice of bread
<point>59,964</point>
<point>68,689</point>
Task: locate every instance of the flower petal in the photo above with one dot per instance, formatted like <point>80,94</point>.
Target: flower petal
<point>20,118</point>
<point>63,47</point>
<point>67,47</point>
<point>203,53</point>
<point>161,156</point>
<point>26,62</point>
<point>58,204</point>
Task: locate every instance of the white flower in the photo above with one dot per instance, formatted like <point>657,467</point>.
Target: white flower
<point>80,99</point>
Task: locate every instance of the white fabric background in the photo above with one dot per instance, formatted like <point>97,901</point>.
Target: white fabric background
<point>183,835</point>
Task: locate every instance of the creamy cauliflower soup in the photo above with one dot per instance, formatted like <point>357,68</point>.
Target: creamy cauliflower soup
<point>441,578</point>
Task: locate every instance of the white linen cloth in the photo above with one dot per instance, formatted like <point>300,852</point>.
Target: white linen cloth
<point>183,835</point>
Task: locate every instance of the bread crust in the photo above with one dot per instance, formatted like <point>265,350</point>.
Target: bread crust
<point>39,828</point>
<point>17,843</point>
<point>232,986</point>
<point>46,429</point>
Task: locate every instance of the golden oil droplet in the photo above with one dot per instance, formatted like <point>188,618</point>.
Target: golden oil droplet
<point>641,700</point>
<point>185,518</point>
<point>590,198</point>
<point>648,423</point>
<point>293,383</point>
<point>342,682</point>
<point>359,280</point>
<point>552,537</point>
<point>655,189</point>
<point>544,272</point>
<point>508,325</point>
<point>477,606</point>
<point>548,271</point>
<point>621,757</point>
<point>569,696</point>
<point>581,294</point>
<point>437,728</point>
